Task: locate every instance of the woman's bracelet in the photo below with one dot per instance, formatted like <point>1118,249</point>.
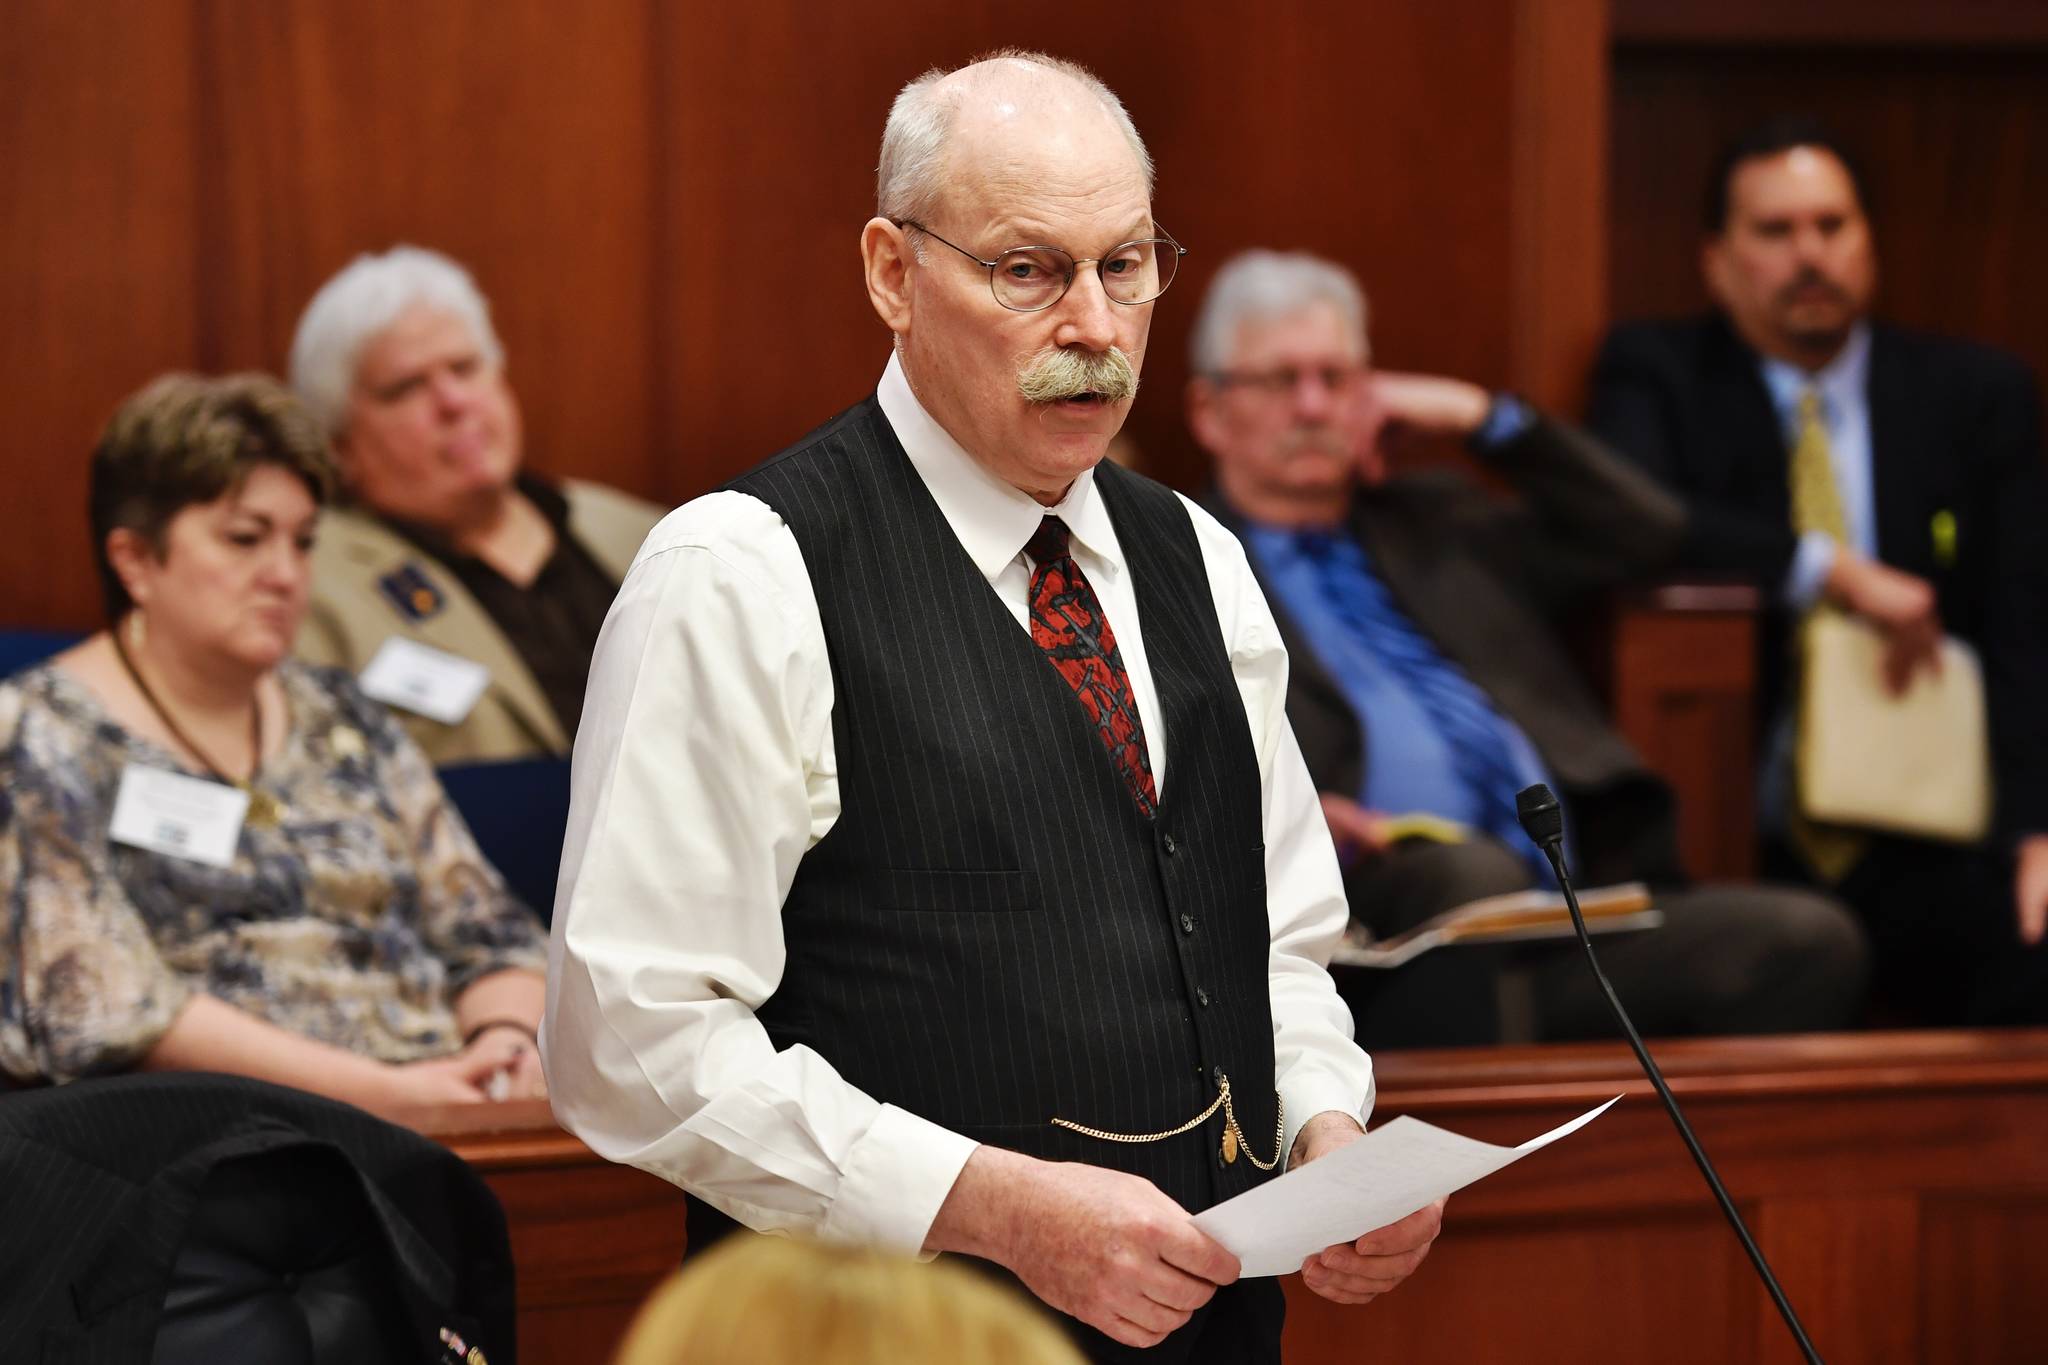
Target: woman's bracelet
<point>478,1030</point>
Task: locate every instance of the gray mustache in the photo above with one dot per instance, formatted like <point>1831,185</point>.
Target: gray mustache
<point>1067,372</point>
<point>1329,443</point>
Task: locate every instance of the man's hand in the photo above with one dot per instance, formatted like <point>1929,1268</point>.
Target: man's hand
<point>1360,834</point>
<point>1429,405</point>
<point>1323,1134</point>
<point>1900,605</point>
<point>1104,1247</point>
<point>2030,887</point>
<point>1361,1271</point>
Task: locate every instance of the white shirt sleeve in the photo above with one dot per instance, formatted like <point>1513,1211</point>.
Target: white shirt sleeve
<point>703,772</point>
<point>1316,1065</point>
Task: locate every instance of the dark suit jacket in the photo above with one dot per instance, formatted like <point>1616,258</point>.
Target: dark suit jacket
<point>99,1180</point>
<point>1954,427</point>
<point>1483,576</point>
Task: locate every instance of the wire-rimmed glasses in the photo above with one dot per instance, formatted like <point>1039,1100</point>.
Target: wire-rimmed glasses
<point>1028,278</point>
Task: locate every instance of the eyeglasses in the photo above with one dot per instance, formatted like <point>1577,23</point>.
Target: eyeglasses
<point>1279,382</point>
<point>1028,278</point>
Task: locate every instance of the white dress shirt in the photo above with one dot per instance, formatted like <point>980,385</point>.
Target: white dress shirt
<point>703,772</point>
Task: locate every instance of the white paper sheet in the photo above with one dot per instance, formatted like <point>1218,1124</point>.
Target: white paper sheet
<point>1379,1179</point>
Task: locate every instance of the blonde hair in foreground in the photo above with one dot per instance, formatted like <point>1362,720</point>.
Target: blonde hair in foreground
<point>769,1300</point>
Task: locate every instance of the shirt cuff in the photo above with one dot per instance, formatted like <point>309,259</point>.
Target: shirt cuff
<point>1810,565</point>
<point>1309,1096</point>
<point>1507,420</point>
<point>897,1175</point>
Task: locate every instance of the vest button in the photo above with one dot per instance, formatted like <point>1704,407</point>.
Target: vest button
<point>1166,841</point>
<point>1201,997</point>
<point>1187,924</point>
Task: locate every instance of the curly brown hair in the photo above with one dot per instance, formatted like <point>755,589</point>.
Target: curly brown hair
<point>185,439</point>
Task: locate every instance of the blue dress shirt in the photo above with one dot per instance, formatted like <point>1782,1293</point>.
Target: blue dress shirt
<point>1434,741</point>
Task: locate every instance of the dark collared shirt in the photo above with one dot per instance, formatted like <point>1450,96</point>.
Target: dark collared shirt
<point>552,623</point>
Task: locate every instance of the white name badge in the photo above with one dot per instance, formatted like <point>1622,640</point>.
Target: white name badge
<point>186,817</point>
<point>432,682</point>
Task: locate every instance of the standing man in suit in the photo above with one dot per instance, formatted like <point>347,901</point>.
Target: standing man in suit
<point>942,872</point>
<point>1426,676</point>
<point>1915,467</point>
<point>480,583</point>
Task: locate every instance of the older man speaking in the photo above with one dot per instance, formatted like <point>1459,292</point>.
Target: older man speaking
<point>942,871</point>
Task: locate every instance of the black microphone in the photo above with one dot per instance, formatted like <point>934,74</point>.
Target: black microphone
<point>1543,821</point>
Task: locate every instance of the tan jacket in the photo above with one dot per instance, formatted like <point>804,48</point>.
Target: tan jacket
<point>352,615</point>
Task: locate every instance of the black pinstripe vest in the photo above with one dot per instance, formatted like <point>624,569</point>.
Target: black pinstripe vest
<point>992,935</point>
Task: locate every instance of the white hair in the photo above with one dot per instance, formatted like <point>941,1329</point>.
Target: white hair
<point>1256,285</point>
<point>910,174</point>
<point>372,292</point>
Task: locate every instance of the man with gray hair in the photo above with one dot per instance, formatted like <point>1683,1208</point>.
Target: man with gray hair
<point>1427,678</point>
<point>466,591</point>
<point>942,873</point>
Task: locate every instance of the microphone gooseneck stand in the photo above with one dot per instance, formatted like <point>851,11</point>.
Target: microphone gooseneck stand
<point>1543,821</point>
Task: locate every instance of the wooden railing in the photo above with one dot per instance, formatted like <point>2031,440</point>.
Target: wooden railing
<point>1897,1181</point>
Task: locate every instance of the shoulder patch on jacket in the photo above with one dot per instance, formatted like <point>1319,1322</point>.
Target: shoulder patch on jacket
<point>411,592</point>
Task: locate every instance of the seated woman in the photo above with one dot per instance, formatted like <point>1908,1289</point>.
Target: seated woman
<point>214,858</point>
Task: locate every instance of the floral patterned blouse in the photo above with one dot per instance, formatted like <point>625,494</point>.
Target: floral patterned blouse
<point>355,919</point>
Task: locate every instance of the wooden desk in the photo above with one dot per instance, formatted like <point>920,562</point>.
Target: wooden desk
<point>1898,1182</point>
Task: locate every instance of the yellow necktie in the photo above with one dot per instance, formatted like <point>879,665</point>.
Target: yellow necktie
<point>1830,850</point>
<point>1816,499</point>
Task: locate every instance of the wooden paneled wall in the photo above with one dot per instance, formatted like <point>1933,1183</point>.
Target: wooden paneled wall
<point>663,199</point>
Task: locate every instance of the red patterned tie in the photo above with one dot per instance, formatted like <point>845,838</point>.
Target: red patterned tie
<point>1068,624</point>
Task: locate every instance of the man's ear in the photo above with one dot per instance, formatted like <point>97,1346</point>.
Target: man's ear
<point>1714,267</point>
<point>342,452</point>
<point>1204,418</point>
<point>133,558</point>
<point>886,257</point>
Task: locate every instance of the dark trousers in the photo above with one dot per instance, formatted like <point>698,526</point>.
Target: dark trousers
<point>1944,928</point>
<point>1727,960</point>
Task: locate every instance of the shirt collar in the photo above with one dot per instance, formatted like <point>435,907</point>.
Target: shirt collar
<point>546,498</point>
<point>1841,381</point>
<point>991,518</point>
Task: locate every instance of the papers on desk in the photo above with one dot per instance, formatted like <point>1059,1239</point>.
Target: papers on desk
<point>1379,1179</point>
<point>1516,916</point>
